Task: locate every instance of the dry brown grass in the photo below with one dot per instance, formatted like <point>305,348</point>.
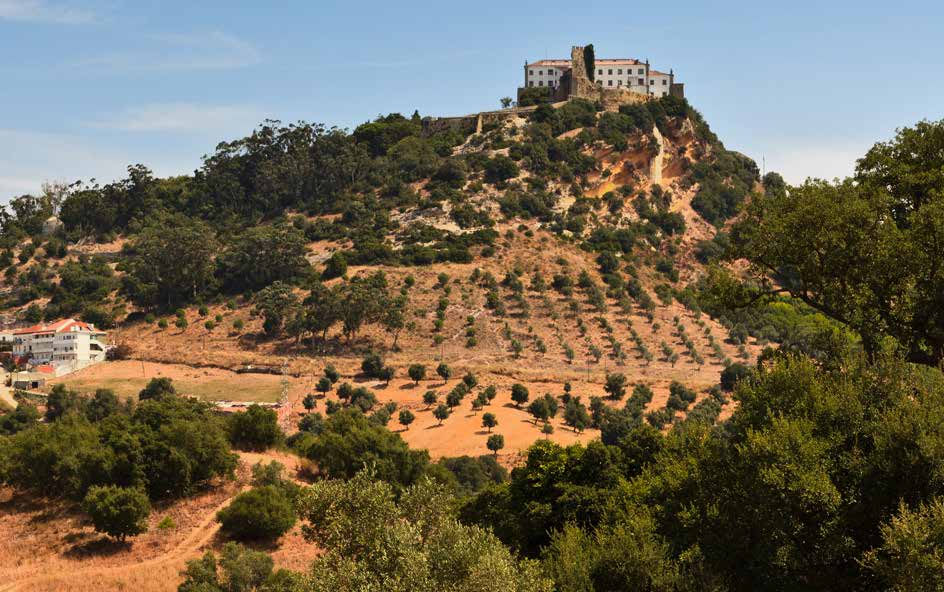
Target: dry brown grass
<point>48,545</point>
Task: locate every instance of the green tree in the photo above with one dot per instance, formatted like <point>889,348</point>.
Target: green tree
<point>335,266</point>
<point>169,263</point>
<point>430,398</point>
<point>332,374</point>
<point>417,372</point>
<point>442,413</point>
<point>260,513</point>
<point>444,371</point>
<point>371,537</point>
<point>495,443</point>
<point>539,410</point>
<point>257,428</point>
<point>238,569</point>
<point>101,405</point>
<point>405,418</point>
<point>615,386</point>
<point>349,442</point>
<point>309,402</point>
<point>261,256</point>
<point>576,415</point>
<point>119,512</point>
<point>156,389</point>
<point>275,303</point>
<point>324,385</point>
<point>62,401</point>
<point>911,554</point>
<point>852,248</point>
<point>519,394</point>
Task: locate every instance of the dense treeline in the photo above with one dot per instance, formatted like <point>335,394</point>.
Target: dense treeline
<point>167,446</point>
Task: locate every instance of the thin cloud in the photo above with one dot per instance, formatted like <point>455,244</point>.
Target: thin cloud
<point>183,117</point>
<point>39,11</point>
<point>213,50</point>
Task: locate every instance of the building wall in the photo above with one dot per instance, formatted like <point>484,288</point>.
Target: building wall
<point>634,77</point>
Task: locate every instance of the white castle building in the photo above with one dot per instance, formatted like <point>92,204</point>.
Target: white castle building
<point>64,342</point>
<point>629,74</point>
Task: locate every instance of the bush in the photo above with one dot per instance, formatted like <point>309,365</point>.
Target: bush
<point>732,374</point>
<point>417,372</point>
<point>119,512</point>
<point>260,513</point>
<point>256,429</point>
<point>349,441</point>
<point>156,389</point>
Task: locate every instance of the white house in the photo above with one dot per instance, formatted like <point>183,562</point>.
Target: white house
<point>64,342</point>
<point>630,74</point>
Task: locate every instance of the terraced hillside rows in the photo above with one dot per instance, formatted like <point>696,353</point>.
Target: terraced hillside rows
<point>540,252</point>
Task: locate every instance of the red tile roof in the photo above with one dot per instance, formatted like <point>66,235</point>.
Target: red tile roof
<point>60,326</point>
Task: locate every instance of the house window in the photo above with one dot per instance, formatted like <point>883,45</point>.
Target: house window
<point>530,72</point>
<point>609,83</point>
<point>620,72</point>
<point>540,72</point>
<point>531,83</point>
<point>540,83</point>
<point>619,83</point>
<point>610,72</point>
<point>640,71</point>
<point>641,82</point>
<point>600,72</point>
<point>651,82</point>
<point>664,82</point>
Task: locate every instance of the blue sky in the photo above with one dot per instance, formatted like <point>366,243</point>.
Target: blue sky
<point>91,86</point>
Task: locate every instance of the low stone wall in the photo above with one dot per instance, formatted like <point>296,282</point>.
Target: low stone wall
<point>475,123</point>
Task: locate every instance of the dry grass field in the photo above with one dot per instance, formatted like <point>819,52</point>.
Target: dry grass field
<point>48,545</point>
<point>128,377</point>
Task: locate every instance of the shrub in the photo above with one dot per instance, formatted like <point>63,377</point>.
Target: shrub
<point>256,429</point>
<point>519,394</point>
<point>495,443</point>
<point>260,513</point>
<point>156,389</point>
<point>417,372</point>
<point>731,374</point>
<point>119,512</point>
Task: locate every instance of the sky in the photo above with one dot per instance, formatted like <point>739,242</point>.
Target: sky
<point>89,87</point>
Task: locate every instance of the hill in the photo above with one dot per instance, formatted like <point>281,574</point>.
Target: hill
<point>557,246</point>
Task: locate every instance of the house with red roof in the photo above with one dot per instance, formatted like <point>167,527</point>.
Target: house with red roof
<point>64,342</point>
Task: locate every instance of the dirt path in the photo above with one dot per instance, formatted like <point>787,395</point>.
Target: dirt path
<point>184,551</point>
<point>196,540</point>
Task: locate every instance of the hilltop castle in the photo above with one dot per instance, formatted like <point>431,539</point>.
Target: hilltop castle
<point>607,80</point>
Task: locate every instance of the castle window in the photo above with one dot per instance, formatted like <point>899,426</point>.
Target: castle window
<point>540,72</point>
<point>610,72</point>
<point>640,71</point>
<point>609,83</point>
<point>531,83</point>
<point>600,72</point>
<point>620,72</point>
<point>664,82</point>
<point>651,82</point>
<point>530,72</point>
<point>619,83</point>
<point>641,82</point>
<point>540,83</point>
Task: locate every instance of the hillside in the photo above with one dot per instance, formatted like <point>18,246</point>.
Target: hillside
<point>554,247</point>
